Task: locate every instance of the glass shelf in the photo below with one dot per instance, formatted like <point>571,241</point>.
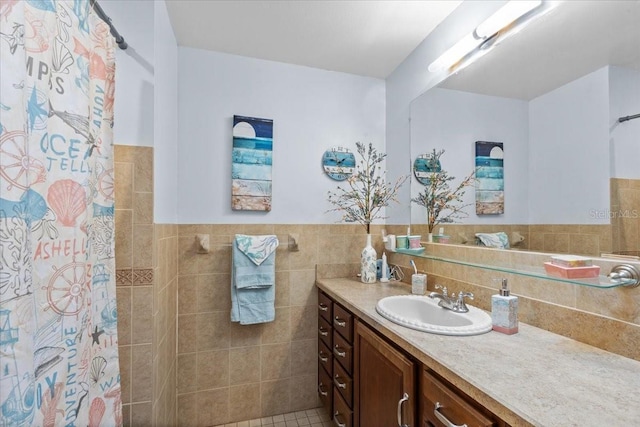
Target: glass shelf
<point>602,282</point>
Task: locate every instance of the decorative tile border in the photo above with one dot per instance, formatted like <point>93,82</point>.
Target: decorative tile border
<point>124,277</point>
<point>134,276</point>
<point>142,276</point>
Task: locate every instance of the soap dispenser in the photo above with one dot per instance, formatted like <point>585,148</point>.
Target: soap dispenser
<point>504,311</point>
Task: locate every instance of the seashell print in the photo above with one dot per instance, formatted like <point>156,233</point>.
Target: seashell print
<point>67,198</point>
<point>96,411</point>
<point>30,208</point>
<point>34,205</point>
<point>97,368</point>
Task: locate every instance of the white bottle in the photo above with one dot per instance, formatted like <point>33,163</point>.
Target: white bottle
<point>385,268</point>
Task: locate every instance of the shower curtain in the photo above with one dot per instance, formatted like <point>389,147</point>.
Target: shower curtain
<point>58,317</point>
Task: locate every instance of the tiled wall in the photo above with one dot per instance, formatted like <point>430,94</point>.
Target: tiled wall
<point>591,240</point>
<point>625,215</point>
<point>228,372</point>
<point>146,287</point>
<point>165,313</point>
<point>171,296</point>
<point>605,318</point>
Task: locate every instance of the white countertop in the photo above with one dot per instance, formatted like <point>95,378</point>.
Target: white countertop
<point>534,377</point>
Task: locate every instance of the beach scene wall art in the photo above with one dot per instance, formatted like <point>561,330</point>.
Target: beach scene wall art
<point>251,164</point>
<point>489,178</point>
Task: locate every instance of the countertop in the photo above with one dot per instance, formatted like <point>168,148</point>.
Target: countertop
<point>534,377</point>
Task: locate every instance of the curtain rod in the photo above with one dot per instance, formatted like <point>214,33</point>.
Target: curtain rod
<point>627,118</point>
<point>119,39</point>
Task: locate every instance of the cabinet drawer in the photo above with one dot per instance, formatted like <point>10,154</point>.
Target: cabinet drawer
<point>343,352</point>
<point>343,383</point>
<point>325,389</point>
<point>342,415</point>
<point>325,357</point>
<point>325,306</point>
<point>442,403</point>
<point>343,322</point>
<point>325,332</point>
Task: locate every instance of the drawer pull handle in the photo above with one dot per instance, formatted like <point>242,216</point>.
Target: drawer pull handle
<point>338,352</point>
<point>442,418</point>
<point>323,307</point>
<point>340,322</point>
<point>339,384</point>
<point>322,331</point>
<point>405,398</point>
<point>336,421</point>
<point>322,357</point>
<point>322,391</point>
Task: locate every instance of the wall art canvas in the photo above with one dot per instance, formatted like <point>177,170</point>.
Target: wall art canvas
<point>251,164</point>
<point>489,178</point>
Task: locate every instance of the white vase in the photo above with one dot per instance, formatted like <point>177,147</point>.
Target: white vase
<point>368,263</point>
<point>430,237</point>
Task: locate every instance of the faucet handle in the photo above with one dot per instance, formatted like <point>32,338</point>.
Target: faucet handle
<point>460,305</point>
<point>444,289</point>
<point>463,295</point>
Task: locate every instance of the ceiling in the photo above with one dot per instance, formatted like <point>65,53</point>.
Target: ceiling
<point>368,38</point>
<point>371,38</point>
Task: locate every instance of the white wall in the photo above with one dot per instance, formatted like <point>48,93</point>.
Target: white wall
<point>134,102</point>
<point>165,119</point>
<point>411,79</point>
<point>146,104</point>
<point>453,121</point>
<point>569,152</point>
<point>624,87</point>
<point>312,110</point>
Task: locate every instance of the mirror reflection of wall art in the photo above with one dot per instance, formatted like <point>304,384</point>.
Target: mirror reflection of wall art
<point>489,178</point>
<point>251,164</point>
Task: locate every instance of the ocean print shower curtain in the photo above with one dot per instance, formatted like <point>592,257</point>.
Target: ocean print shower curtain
<point>58,317</point>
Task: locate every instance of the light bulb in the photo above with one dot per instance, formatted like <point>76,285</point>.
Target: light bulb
<point>454,54</point>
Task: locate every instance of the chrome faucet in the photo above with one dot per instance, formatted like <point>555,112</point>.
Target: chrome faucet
<point>450,302</point>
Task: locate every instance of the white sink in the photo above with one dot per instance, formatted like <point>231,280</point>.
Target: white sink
<point>423,314</point>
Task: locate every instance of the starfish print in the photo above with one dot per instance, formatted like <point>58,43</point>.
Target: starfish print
<point>35,109</point>
<point>96,336</point>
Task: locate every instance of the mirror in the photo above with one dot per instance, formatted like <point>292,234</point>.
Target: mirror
<point>552,94</point>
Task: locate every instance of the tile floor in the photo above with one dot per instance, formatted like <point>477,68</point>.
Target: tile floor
<point>310,418</point>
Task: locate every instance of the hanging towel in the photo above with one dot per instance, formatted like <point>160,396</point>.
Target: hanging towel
<point>253,277</point>
<point>498,240</point>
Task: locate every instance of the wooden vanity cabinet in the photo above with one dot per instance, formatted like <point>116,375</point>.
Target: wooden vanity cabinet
<point>363,378</point>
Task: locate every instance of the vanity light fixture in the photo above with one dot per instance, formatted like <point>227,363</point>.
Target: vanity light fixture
<point>485,36</point>
<point>455,53</point>
<point>505,16</point>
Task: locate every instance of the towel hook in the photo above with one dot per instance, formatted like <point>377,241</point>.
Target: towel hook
<point>202,241</point>
<point>293,242</point>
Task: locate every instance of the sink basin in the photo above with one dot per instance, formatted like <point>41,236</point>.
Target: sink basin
<point>423,314</point>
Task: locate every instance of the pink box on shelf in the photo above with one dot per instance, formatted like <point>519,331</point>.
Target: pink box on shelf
<point>572,272</point>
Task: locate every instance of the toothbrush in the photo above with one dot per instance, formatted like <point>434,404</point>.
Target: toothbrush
<point>415,269</point>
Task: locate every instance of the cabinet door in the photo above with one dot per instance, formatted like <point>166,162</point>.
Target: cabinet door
<point>382,376</point>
